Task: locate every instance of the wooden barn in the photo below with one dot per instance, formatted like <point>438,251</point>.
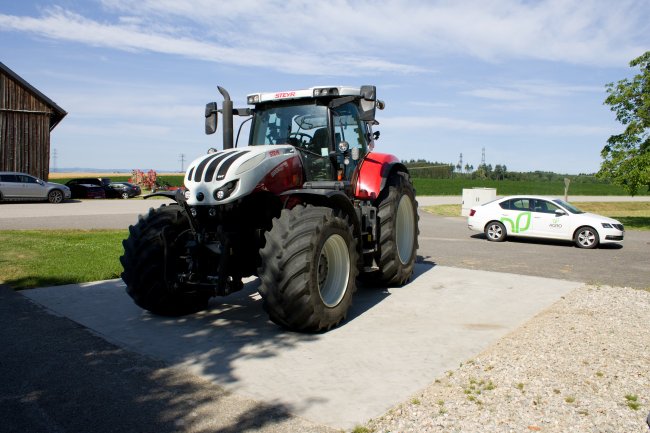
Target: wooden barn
<point>26,119</point>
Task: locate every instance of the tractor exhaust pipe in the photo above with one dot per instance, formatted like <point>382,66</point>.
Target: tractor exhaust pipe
<point>226,112</point>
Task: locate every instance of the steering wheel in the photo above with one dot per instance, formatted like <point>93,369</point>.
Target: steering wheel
<point>301,136</point>
<point>302,149</point>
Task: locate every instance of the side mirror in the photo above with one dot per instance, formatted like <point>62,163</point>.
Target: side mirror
<point>560,212</point>
<point>368,103</point>
<point>211,118</point>
<point>369,92</point>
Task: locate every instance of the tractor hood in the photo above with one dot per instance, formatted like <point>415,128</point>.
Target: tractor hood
<point>225,176</point>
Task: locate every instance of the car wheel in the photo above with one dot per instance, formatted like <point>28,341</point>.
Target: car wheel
<point>586,237</point>
<point>55,196</point>
<point>125,195</point>
<point>495,231</point>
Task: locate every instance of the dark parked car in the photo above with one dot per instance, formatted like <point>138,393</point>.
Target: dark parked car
<point>22,186</point>
<point>88,187</point>
<point>86,190</point>
<point>122,190</point>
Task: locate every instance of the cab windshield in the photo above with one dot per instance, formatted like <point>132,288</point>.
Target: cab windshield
<point>299,125</point>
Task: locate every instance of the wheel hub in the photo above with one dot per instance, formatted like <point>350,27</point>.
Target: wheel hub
<point>404,229</point>
<point>333,270</point>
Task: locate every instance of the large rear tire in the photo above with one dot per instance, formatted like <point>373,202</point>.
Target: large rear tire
<point>397,214</point>
<point>145,268</point>
<point>308,269</point>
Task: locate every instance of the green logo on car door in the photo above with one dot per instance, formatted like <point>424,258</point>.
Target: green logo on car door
<point>517,226</point>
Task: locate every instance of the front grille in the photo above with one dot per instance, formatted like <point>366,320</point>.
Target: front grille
<point>618,226</point>
<point>613,238</point>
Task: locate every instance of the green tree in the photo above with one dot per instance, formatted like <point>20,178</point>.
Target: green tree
<point>626,157</point>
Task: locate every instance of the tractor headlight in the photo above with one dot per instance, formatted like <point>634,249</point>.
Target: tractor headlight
<point>253,99</point>
<point>344,146</point>
<point>225,191</point>
<point>327,91</point>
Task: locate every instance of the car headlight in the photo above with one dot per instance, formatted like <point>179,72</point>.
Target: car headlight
<point>606,225</point>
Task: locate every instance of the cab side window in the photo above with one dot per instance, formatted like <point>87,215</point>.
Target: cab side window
<point>349,128</point>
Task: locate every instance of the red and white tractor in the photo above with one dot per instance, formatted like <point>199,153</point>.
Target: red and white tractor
<point>307,206</point>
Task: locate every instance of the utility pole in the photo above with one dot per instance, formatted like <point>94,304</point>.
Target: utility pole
<point>483,157</point>
<point>54,155</point>
<point>181,158</point>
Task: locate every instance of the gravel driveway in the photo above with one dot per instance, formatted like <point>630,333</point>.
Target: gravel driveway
<point>580,366</point>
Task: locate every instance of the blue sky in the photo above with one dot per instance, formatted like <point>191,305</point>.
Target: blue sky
<point>523,79</point>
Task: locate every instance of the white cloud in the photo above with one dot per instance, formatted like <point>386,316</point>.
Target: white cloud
<point>597,32</point>
<point>130,35</point>
<point>529,91</point>
<point>352,37</point>
<point>438,123</point>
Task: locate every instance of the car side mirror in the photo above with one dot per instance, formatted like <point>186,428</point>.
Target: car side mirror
<point>560,212</point>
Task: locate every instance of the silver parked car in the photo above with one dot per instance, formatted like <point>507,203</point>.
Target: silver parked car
<point>21,186</point>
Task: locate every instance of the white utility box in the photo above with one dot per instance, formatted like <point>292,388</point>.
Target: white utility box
<point>473,197</point>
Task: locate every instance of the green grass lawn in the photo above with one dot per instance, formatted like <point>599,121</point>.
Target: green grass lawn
<point>634,215</point>
<point>39,258</point>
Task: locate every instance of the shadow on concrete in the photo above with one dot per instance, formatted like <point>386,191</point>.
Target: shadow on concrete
<point>57,376</point>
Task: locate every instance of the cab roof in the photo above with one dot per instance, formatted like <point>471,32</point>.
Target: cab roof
<point>312,92</point>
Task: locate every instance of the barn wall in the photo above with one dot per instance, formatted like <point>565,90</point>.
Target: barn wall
<point>24,130</point>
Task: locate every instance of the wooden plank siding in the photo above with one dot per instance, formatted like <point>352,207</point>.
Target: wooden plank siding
<point>25,123</point>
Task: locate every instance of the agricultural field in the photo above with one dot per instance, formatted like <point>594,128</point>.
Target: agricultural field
<point>426,186</point>
<point>511,187</point>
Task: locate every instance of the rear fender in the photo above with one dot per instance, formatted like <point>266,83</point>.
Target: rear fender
<point>374,171</point>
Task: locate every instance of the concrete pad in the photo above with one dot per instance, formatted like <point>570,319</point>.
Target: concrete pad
<point>394,343</point>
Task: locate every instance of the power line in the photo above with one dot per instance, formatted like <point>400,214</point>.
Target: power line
<point>181,158</point>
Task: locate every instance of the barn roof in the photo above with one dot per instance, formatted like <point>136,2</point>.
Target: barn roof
<point>58,112</point>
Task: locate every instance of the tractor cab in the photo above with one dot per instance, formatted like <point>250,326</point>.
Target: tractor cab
<point>329,126</point>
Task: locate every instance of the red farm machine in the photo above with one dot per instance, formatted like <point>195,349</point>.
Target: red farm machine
<point>307,206</point>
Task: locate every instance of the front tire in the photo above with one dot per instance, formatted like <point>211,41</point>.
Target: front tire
<point>308,269</point>
<point>495,231</point>
<point>125,195</point>
<point>586,237</point>
<point>55,196</point>
<point>146,263</point>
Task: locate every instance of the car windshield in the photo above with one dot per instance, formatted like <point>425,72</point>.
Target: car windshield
<point>288,124</point>
<point>568,206</point>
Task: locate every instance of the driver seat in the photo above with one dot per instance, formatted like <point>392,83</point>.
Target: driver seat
<point>319,140</point>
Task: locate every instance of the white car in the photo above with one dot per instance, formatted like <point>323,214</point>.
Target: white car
<point>543,217</point>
